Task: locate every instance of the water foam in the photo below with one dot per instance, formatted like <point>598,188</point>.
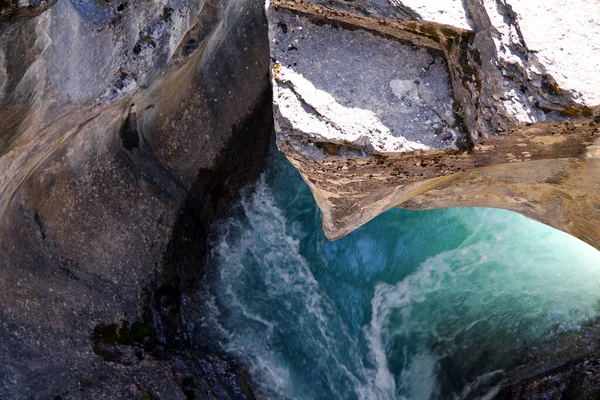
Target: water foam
<point>411,306</point>
<point>480,297</point>
<point>268,293</point>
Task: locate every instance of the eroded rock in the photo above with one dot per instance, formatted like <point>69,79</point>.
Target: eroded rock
<point>123,125</point>
<point>515,137</point>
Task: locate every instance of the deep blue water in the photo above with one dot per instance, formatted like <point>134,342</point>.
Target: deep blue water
<point>413,305</point>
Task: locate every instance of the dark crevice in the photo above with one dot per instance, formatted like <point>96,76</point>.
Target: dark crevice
<point>129,132</point>
<point>40,224</point>
<point>209,197</point>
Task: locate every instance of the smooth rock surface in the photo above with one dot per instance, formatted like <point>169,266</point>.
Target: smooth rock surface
<point>126,128</point>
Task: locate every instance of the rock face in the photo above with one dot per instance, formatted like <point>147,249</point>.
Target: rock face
<point>440,104</point>
<point>126,127</point>
<point>575,380</point>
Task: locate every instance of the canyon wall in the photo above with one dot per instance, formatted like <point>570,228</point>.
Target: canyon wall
<point>434,104</point>
<point>126,128</point>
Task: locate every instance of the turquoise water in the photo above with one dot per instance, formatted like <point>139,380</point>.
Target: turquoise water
<point>414,305</point>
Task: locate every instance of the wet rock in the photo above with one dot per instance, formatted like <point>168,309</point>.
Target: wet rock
<point>575,380</point>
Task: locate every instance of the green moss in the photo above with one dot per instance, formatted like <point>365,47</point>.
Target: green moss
<point>464,64</point>
<point>140,331</point>
<point>108,334</point>
<point>431,32</point>
<point>451,43</point>
<point>467,36</point>
<point>478,83</point>
<point>460,45</point>
<point>587,112</point>
<point>463,59</point>
<point>413,25</point>
<point>5,5</point>
<point>459,116</point>
<point>103,3</point>
<point>145,393</point>
<point>577,111</point>
<point>550,86</point>
<point>449,33</point>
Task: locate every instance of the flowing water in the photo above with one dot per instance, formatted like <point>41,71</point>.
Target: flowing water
<point>413,305</point>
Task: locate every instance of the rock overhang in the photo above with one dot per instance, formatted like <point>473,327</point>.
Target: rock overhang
<point>342,119</point>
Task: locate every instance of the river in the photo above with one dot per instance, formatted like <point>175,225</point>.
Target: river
<point>413,305</point>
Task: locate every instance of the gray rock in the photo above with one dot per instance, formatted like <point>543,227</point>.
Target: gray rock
<point>127,127</point>
<point>352,87</point>
<point>508,134</point>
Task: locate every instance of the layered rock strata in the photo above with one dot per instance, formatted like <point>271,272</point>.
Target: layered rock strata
<point>425,105</point>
